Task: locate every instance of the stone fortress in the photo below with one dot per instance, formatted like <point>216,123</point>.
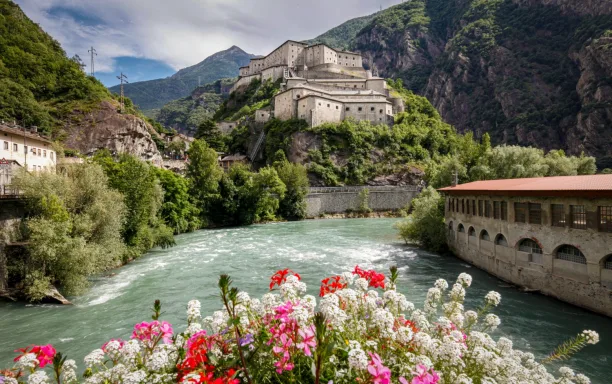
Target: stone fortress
<point>320,85</point>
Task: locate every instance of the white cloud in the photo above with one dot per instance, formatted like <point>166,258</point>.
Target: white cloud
<point>184,32</point>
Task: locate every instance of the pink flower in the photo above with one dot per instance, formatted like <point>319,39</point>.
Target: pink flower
<point>147,332</point>
<point>308,340</point>
<point>424,376</point>
<point>380,373</point>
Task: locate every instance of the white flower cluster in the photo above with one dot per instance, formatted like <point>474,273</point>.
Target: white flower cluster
<point>592,337</point>
<point>193,311</point>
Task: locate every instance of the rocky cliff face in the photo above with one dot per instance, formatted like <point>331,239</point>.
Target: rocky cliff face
<point>528,72</point>
<point>104,127</point>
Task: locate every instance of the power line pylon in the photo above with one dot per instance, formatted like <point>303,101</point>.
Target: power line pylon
<point>93,52</point>
<point>123,79</point>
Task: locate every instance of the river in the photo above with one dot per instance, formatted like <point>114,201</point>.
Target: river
<point>315,249</point>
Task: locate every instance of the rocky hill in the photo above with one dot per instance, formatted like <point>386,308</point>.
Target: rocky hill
<point>40,86</point>
<point>154,94</point>
<point>529,72</point>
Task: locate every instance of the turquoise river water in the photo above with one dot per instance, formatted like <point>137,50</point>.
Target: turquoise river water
<point>315,249</point>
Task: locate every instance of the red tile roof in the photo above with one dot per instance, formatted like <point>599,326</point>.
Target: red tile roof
<point>583,186</point>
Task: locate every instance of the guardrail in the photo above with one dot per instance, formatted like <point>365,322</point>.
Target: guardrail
<point>8,192</point>
<point>391,188</point>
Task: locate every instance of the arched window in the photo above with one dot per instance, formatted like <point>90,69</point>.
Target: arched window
<point>484,235</point>
<point>461,228</point>
<point>607,262</point>
<point>450,226</point>
<point>570,253</point>
<point>472,232</point>
<point>501,240</point>
<point>530,246</point>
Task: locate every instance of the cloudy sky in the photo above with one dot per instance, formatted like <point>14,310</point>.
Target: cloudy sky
<point>150,39</point>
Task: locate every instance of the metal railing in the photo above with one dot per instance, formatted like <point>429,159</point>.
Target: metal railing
<point>9,192</point>
<point>389,188</point>
<point>257,146</point>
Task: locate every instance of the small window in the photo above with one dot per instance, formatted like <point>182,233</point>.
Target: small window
<point>328,105</point>
<point>337,107</point>
<point>461,228</point>
<point>501,240</point>
<point>39,152</point>
<point>360,109</point>
<point>607,263</point>
<point>578,216</point>
<point>535,213</point>
<point>497,210</point>
<point>462,206</point>
<point>570,253</point>
<point>298,96</point>
<point>474,208</point>
<point>16,148</point>
<point>381,111</point>
<point>488,208</point>
<point>6,146</point>
<point>557,215</point>
<point>319,104</point>
<point>480,208</point>
<point>530,246</point>
<point>520,212</point>
<point>348,109</point>
<point>51,155</point>
<point>605,219</point>
<point>372,109</point>
<point>45,152</point>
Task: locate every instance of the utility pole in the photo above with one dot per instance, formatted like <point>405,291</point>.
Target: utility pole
<point>93,52</point>
<point>123,79</point>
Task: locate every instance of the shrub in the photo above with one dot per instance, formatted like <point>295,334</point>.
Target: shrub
<point>425,225</point>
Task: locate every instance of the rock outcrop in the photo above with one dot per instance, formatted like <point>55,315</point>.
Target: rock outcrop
<point>104,127</point>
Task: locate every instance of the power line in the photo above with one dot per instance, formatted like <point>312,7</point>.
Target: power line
<point>123,79</point>
<point>93,52</point>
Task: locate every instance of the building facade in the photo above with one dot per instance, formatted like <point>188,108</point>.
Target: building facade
<point>553,235</point>
<point>23,148</point>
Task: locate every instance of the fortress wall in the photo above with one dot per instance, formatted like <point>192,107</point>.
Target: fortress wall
<point>340,202</point>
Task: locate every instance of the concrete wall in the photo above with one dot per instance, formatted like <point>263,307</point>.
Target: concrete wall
<point>324,110</point>
<point>587,284</point>
<point>340,200</point>
<point>284,108</point>
<point>262,115</point>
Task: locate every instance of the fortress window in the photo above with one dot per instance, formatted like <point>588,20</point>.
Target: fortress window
<point>501,240</point>
<point>6,146</point>
<point>480,208</point>
<point>496,210</point>
<point>484,235</point>
<point>336,107</point>
<point>570,253</point>
<point>381,111</point>
<point>557,214</point>
<point>51,155</point>
<point>298,96</point>
<point>44,153</point>
<point>16,148</point>
<point>348,108</point>
<point>504,210</point>
<point>607,263</point>
<point>578,216</point>
<point>371,109</point>
<point>360,109</point>
<point>530,246</point>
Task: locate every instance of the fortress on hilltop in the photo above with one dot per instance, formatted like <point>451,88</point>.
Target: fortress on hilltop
<point>321,84</point>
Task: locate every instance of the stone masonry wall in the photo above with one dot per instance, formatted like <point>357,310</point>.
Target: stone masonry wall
<point>339,201</point>
<point>11,213</point>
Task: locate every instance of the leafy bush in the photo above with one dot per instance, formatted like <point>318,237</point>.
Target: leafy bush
<point>425,225</point>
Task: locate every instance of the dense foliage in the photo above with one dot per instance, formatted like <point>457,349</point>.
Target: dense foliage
<point>188,113</point>
<point>423,226</point>
<point>362,330</point>
<point>257,95</point>
<point>341,36</point>
<point>156,93</point>
<point>75,231</point>
<point>38,84</point>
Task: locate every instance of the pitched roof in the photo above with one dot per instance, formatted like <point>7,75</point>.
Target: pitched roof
<point>583,186</point>
<point>19,131</point>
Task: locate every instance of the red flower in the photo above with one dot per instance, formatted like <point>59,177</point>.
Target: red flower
<point>44,353</point>
<point>281,276</point>
<point>375,279</point>
<point>331,285</point>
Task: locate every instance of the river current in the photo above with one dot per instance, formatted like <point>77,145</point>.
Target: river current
<point>315,249</point>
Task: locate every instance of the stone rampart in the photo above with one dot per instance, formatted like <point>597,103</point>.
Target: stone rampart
<point>342,199</point>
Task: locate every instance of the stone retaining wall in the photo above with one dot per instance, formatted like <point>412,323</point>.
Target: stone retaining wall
<point>339,200</point>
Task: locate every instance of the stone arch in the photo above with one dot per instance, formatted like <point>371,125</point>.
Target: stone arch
<point>570,253</point>
<point>484,235</point>
<point>472,232</point>
<point>460,228</point>
<point>530,246</point>
<point>501,240</point>
<point>606,262</point>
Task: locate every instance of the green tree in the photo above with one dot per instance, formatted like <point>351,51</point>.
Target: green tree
<point>209,132</point>
<point>75,230</point>
<point>177,211</point>
<point>425,225</point>
<point>295,178</point>
<point>204,174</point>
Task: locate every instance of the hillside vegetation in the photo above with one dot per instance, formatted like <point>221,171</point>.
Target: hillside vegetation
<point>39,85</point>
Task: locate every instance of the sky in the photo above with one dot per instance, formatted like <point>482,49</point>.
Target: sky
<point>150,39</point>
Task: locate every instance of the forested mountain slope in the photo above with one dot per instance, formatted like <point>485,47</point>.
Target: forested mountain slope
<point>156,93</point>
<point>528,72</point>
